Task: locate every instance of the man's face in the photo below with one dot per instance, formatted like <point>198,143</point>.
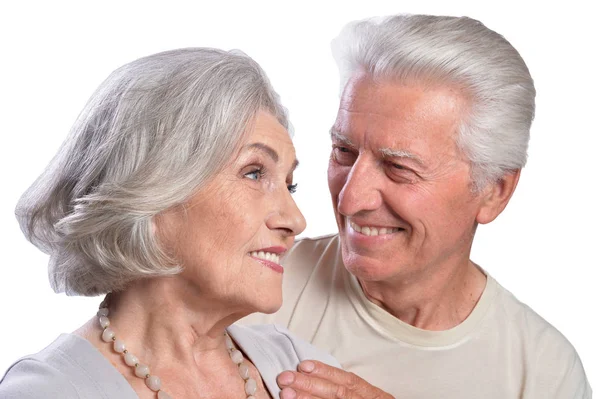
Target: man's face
<point>400,187</point>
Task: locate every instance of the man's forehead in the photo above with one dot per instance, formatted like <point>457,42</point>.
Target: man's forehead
<point>397,99</point>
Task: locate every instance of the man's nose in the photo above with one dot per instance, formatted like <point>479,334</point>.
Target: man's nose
<point>361,191</point>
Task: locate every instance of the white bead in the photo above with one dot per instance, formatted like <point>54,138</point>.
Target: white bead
<point>229,343</point>
<point>250,386</point>
<point>236,356</point>
<point>142,370</point>
<point>104,322</point>
<point>107,335</point>
<point>119,346</point>
<point>163,395</point>
<point>244,371</point>
<point>153,382</point>
<point>130,359</point>
<point>102,312</point>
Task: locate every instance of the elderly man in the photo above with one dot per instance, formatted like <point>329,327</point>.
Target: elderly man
<point>430,137</point>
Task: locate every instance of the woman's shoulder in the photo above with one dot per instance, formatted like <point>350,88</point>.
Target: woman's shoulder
<point>274,349</point>
<point>70,367</point>
<point>31,378</point>
<point>41,375</point>
<point>279,343</point>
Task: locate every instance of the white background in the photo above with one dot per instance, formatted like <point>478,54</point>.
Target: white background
<point>544,247</point>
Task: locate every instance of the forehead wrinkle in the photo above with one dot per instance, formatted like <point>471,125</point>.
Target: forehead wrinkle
<point>266,149</point>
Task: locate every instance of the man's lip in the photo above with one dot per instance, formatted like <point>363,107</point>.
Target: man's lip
<point>376,225</point>
<point>274,250</point>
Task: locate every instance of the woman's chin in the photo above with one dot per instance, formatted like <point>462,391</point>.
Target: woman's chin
<point>269,306</point>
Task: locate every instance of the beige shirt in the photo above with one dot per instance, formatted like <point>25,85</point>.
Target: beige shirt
<point>502,350</point>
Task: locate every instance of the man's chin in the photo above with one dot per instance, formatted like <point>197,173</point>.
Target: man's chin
<point>368,269</point>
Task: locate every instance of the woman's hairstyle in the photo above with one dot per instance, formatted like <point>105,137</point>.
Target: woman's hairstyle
<point>151,135</point>
<point>460,52</point>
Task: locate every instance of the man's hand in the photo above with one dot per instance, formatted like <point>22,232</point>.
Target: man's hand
<point>315,380</point>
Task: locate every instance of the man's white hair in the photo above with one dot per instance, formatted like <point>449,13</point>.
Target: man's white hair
<point>460,52</point>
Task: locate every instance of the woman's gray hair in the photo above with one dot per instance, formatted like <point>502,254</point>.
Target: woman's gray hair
<point>461,52</point>
<point>149,137</point>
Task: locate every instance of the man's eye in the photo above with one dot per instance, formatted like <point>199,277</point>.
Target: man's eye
<point>255,174</point>
<point>292,188</point>
<point>401,173</point>
<point>343,155</point>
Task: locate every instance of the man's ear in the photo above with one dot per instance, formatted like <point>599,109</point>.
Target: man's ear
<point>496,196</point>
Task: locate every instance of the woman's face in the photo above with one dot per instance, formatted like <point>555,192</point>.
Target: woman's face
<point>231,235</point>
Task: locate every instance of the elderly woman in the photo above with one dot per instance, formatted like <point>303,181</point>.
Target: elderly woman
<point>172,195</point>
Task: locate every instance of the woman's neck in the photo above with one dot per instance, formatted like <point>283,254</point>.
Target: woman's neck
<point>177,332</point>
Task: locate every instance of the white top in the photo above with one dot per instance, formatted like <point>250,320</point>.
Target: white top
<point>502,350</point>
<point>71,367</point>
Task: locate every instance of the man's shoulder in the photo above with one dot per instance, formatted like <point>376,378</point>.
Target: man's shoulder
<point>312,261</point>
<point>309,252</point>
<point>526,320</point>
<point>552,359</point>
<point>315,244</point>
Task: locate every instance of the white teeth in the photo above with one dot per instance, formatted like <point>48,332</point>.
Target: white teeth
<point>271,257</point>
<point>373,231</point>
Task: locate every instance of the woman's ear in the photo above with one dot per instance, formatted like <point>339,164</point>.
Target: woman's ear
<point>496,196</point>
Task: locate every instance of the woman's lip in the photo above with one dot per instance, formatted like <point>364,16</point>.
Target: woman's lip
<point>274,250</point>
<point>271,265</point>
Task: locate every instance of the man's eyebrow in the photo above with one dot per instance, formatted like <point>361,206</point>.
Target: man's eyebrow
<point>270,152</point>
<point>391,153</point>
<point>337,136</point>
<point>386,152</point>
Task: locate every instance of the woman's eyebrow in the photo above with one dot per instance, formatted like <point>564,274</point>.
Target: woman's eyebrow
<point>270,152</point>
<point>265,148</point>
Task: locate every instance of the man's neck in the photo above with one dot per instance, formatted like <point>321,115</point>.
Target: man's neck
<point>430,301</point>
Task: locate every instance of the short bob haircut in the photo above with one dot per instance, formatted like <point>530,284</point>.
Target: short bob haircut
<point>151,135</point>
<point>459,52</point>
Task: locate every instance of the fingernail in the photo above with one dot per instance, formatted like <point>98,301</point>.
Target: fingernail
<point>307,366</point>
<point>287,393</point>
<point>286,378</point>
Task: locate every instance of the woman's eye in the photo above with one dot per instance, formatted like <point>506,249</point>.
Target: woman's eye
<point>292,188</point>
<point>255,174</point>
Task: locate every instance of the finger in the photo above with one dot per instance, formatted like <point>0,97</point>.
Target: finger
<point>312,387</point>
<point>349,381</point>
<point>335,375</point>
